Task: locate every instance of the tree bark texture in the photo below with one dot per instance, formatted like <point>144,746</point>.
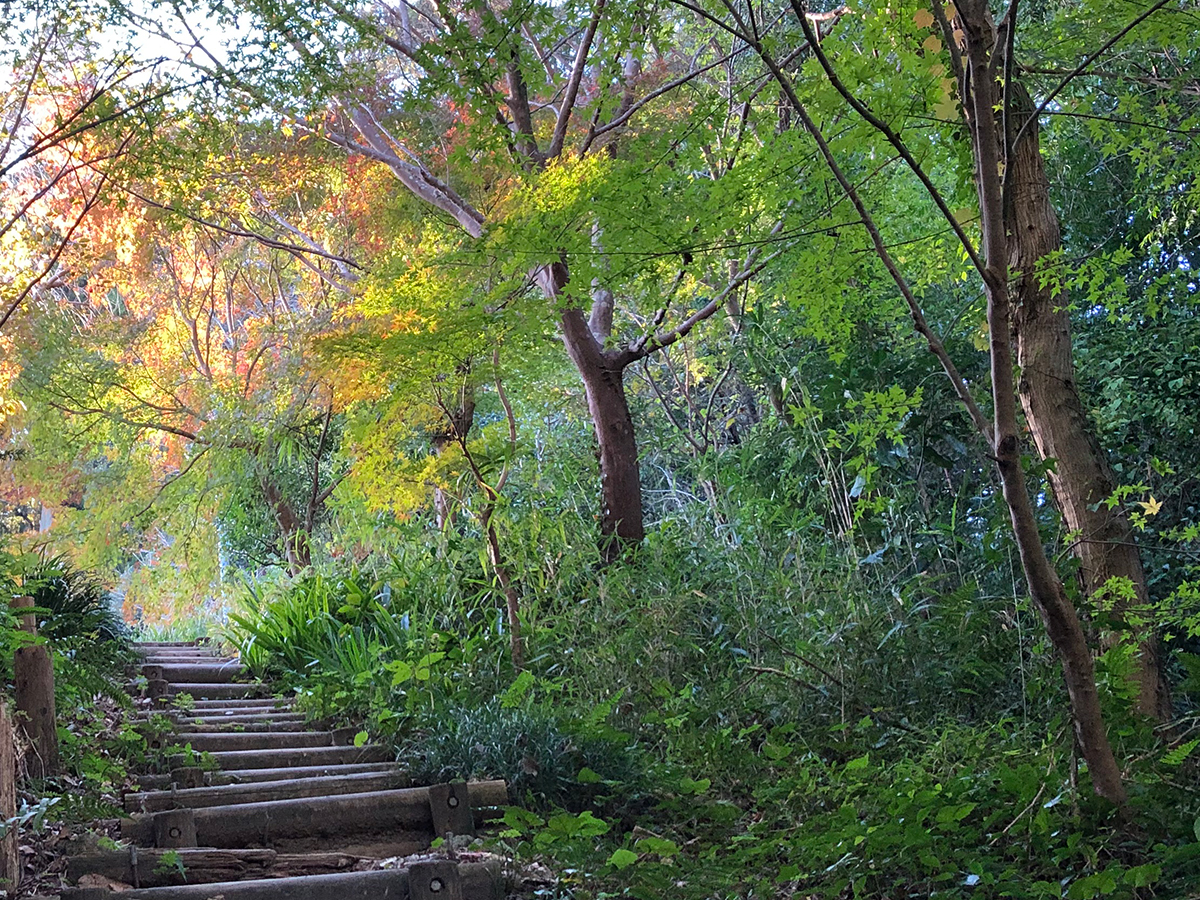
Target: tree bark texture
<point>1081,478</point>
<point>602,371</point>
<point>981,96</point>
<point>10,856</point>
<point>33,678</point>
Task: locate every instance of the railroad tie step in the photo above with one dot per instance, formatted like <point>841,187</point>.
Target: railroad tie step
<point>218,690</point>
<point>281,723</point>
<point>194,672</point>
<point>405,811</point>
<point>215,741</point>
<point>260,791</point>
<point>250,776</point>
<point>300,756</point>
<point>443,880</point>
<point>247,704</point>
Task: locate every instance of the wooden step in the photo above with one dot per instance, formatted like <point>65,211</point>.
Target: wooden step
<point>248,776</point>
<point>248,704</point>
<point>403,812</point>
<point>195,673</point>
<point>478,881</point>
<point>259,791</point>
<point>218,691</point>
<point>282,723</point>
<point>147,868</point>
<point>304,756</point>
<point>216,741</point>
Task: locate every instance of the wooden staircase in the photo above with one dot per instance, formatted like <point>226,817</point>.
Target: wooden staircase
<point>258,805</point>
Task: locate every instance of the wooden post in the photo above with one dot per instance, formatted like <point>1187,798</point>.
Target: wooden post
<point>450,806</point>
<point>10,855</point>
<point>185,777</point>
<point>175,828</point>
<point>33,672</point>
<point>435,881</point>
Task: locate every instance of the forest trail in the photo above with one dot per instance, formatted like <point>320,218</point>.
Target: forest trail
<point>259,805</point>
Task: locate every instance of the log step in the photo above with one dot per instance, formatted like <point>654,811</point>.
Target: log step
<point>304,756</point>
<point>218,691</point>
<point>243,703</point>
<point>214,741</point>
<point>147,868</point>
<point>238,726</point>
<point>248,776</point>
<point>237,717</point>
<point>479,881</point>
<point>398,812</point>
<point>237,714</point>
<point>256,792</point>
<point>195,673</point>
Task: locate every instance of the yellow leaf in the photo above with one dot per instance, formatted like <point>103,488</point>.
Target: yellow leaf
<point>946,109</point>
<point>923,18</point>
<point>1152,507</point>
<point>932,44</point>
<point>960,37</point>
<point>937,70</point>
<point>951,12</point>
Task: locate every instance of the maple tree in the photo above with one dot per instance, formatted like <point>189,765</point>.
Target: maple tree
<point>528,134</point>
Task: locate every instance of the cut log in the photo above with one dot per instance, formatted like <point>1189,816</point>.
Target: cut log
<point>480,881</point>
<point>250,776</point>
<point>303,756</point>
<point>232,702</point>
<point>216,741</point>
<point>292,723</point>
<point>199,673</point>
<point>261,791</point>
<point>218,691</point>
<point>10,857</point>
<point>257,824</point>
<point>33,680</point>
<point>145,868</point>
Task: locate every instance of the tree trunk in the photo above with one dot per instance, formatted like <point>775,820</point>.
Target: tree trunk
<point>459,421</point>
<point>33,688</point>
<point>1081,478</point>
<point>1045,587</point>
<point>292,533</point>
<point>602,371</point>
<point>512,602</point>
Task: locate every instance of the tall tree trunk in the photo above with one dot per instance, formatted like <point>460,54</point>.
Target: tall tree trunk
<point>602,371</point>
<point>1081,478</point>
<point>1045,587</point>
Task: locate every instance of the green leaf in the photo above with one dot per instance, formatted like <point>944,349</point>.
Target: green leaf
<point>622,858</point>
<point>361,738</point>
<point>858,763</point>
<point>517,690</point>
<point>587,776</point>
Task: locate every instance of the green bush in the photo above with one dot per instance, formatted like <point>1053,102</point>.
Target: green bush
<point>547,760</point>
